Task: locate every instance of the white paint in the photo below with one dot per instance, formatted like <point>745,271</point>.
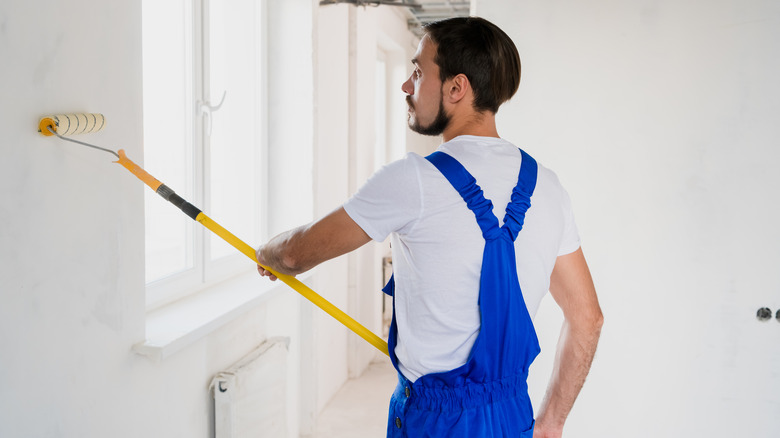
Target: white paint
<point>661,120</point>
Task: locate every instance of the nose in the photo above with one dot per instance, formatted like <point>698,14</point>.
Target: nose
<point>407,87</point>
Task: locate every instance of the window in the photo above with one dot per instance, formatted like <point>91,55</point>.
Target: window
<point>203,112</point>
<point>389,104</point>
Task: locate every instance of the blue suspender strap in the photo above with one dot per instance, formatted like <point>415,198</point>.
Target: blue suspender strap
<point>471,193</point>
<point>521,196</point>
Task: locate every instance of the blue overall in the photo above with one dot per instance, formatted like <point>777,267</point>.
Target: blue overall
<point>488,395</point>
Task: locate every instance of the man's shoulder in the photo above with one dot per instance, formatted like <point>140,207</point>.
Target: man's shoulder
<point>401,173</point>
<point>410,162</point>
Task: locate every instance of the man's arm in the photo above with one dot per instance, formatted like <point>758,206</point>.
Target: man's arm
<point>572,288</point>
<point>303,248</point>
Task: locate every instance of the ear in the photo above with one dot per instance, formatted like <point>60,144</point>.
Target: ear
<point>457,88</point>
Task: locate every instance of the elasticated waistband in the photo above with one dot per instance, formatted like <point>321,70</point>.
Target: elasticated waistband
<point>434,395</point>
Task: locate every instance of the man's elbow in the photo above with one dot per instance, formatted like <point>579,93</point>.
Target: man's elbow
<point>594,321</point>
<point>598,321</point>
<point>587,321</point>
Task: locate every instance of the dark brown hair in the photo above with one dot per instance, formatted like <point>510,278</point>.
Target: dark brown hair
<point>481,51</point>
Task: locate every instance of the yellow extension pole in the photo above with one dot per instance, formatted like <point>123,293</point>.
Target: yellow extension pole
<point>81,123</point>
<point>247,250</point>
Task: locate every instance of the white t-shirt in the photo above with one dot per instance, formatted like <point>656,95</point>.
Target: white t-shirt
<point>437,245</point>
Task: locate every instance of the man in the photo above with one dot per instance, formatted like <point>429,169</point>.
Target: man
<point>464,287</point>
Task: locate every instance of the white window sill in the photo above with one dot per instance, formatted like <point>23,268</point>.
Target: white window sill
<point>179,324</point>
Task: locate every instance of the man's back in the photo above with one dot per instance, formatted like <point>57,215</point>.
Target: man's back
<point>437,245</point>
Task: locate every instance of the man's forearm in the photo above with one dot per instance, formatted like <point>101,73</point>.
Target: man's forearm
<point>303,248</point>
<point>576,348</point>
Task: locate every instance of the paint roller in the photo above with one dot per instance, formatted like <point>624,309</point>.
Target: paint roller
<point>63,125</point>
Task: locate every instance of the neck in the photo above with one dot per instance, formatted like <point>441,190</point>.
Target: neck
<point>478,124</point>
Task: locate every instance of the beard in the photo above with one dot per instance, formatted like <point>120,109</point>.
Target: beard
<point>436,127</point>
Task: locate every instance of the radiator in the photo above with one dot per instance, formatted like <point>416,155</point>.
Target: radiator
<point>250,398</point>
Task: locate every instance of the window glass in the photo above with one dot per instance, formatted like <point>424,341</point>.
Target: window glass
<point>233,145</point>
<point>167,82</point>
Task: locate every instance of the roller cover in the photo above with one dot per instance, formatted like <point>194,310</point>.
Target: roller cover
<point>72,124</point>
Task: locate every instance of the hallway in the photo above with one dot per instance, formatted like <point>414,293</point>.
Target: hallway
<point>359,409</point>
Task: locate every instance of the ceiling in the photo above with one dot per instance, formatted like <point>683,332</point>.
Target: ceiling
<point>420,11</point>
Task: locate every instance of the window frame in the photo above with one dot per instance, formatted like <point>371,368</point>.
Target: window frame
<point>205,272</point>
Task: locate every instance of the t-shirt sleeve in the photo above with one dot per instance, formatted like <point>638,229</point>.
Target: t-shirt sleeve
<point>570,240</point>
<point>390,201</point>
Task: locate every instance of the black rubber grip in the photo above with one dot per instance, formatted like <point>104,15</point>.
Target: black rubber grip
<point>188,209</point>
<point>165,192</point>
<point>171,196</point>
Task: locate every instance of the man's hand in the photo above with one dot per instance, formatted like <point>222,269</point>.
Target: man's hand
<point>262,262</point>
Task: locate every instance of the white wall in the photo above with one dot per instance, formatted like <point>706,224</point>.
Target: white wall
<point>71,230</point>
<point>661,120</point>
<point>71,293</point>
<point>331,186</point>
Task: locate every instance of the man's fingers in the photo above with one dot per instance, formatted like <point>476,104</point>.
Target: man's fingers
<point>266,273</point>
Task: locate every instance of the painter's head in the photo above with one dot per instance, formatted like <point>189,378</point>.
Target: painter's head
<point>480,50</point>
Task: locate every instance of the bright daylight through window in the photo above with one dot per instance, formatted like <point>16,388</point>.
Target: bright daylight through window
<point>202,78</point>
